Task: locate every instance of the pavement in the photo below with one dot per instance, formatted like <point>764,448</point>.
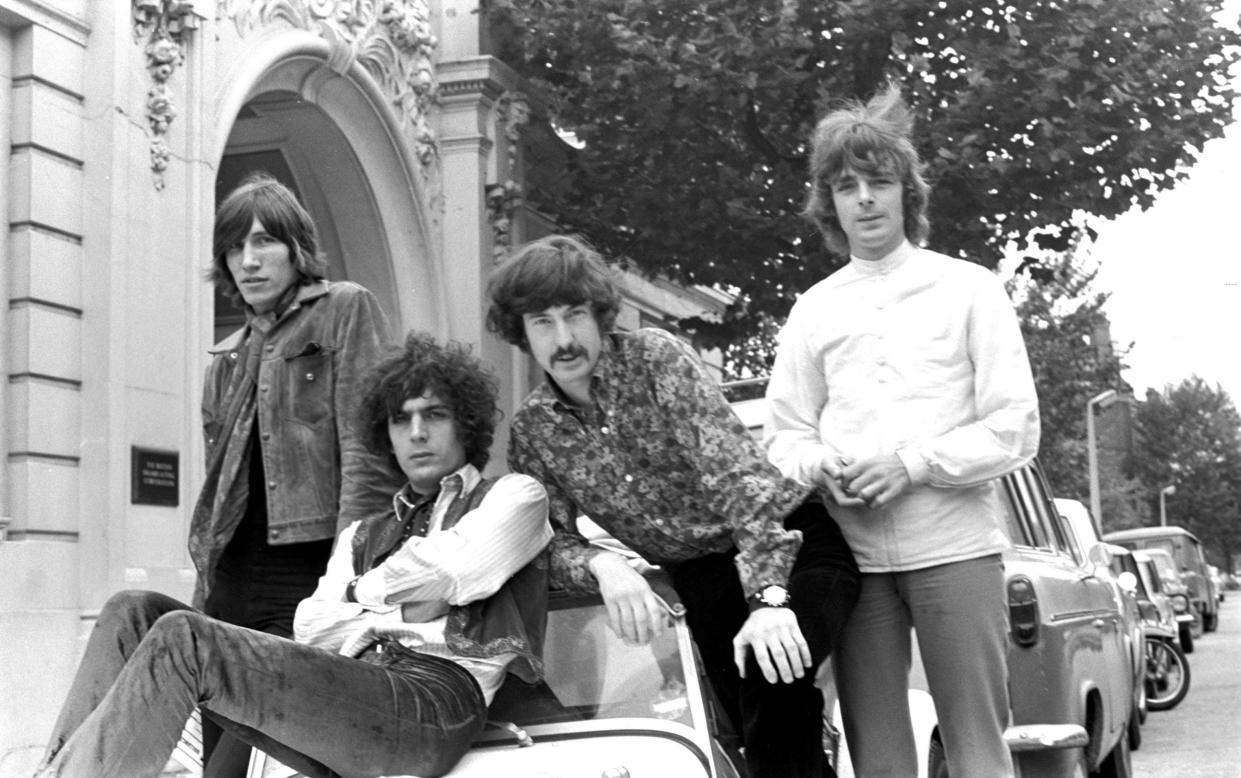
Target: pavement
<point>1201,737</point>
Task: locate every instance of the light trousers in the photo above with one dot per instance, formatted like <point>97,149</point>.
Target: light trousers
<point>960,615</point>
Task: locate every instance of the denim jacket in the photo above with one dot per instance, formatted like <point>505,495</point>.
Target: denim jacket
<point>320,476</point>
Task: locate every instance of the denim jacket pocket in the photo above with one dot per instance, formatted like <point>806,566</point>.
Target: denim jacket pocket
<point>310,380</point>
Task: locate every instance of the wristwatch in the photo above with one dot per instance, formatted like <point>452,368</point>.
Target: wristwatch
<point>770,596</point>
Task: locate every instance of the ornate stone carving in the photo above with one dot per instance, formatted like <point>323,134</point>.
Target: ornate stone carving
<point>164,25</point>
<point>392,39</point>
<point>512,114</point>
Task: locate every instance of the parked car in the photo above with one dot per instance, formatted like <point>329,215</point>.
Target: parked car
<point>605,707</point>
<point>1073,682</point>
<point>1185,548</point>
<point>1071,661</point>
<point>1189,625</point>
<point>1124,591</point>
<point>1167,669</point>
<point>1217,580</point>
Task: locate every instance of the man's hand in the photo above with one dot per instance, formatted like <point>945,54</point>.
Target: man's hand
<point>877,481</point>
<point>779,647</point>
<point>634,612</point>
<point>833,466</point>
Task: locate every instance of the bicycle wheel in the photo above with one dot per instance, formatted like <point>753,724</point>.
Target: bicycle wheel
<point>1167,674</point>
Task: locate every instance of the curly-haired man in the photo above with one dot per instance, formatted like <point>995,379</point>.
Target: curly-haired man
<point>419,616</point>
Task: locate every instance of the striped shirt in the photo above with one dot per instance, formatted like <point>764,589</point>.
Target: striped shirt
<point>408,595</point>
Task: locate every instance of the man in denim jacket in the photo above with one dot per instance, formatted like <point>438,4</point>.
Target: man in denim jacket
<point>286,470</point>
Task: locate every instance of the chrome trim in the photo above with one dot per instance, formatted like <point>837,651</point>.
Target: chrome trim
<point>1045,737</point>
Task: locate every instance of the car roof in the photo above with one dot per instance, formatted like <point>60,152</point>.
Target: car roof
<point>1147,532</point>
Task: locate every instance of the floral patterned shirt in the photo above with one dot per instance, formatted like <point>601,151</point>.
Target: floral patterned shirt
<point>661,462</point>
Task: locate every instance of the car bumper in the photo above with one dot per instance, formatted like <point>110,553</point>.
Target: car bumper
<point>1045,737</point>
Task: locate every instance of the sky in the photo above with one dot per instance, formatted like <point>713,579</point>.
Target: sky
<point>1174,276</point>
<point>1174,273</point>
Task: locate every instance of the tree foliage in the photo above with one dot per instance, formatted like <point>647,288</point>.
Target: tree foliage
<point>694,116</point>
<point>1190,438</point>
<point>1072,358</point>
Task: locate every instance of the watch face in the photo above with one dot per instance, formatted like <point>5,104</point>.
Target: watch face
<point>774,596</point>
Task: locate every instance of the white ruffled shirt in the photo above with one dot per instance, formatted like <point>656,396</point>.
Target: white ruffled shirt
<point>468,562</point>
<point>920,355</point>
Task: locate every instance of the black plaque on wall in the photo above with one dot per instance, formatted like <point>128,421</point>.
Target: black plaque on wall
<point>155,476</point>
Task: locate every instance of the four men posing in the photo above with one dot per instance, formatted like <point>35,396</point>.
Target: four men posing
<point>900,392</point>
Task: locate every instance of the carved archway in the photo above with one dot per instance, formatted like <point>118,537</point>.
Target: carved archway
<point>362,171</point>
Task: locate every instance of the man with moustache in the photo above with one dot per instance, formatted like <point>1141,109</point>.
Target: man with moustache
<point>630,430</point>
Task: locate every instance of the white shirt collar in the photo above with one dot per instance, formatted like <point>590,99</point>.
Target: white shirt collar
<point>885,264</point>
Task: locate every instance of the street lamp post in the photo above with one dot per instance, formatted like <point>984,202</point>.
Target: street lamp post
<point>1102,400</point>
<point>1164,493</point>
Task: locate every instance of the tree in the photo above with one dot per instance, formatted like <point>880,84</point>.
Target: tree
<point>1190,437</point>
<point>1072,358</point>
<point>694,116</point>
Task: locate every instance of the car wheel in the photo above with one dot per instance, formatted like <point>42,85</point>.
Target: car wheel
<point>1210,622</point>
<point>1187,639</point>
<point>1119,763</point>
<point>1135,728</point>
<point>936,760</point>
<point>1167,675</point>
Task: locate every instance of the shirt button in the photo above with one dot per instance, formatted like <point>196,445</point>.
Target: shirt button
<point>275,534</point>
<point>270,348</point>
<point>628,478</point>
<point>604,430</point>
<point>263,387</point>
<point>310,376</point>
<point>271,484</point>
<point>266,436</point>
<point>232,355</point>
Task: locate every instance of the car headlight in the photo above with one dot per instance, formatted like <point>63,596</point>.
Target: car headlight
<point>1180,603</point>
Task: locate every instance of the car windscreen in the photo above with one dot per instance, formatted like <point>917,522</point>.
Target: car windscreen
<point>590,673</point>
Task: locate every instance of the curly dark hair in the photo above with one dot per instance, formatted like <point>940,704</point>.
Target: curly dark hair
<point>870,139</point>
<point>554,270</point>
<point>275,206</point>
<point>451,373</point>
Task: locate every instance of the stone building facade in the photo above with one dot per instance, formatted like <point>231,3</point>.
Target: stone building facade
<point>124,121</point>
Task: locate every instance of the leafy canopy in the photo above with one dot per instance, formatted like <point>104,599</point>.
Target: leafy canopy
<point>1190,438</point>
<point>694,116</point>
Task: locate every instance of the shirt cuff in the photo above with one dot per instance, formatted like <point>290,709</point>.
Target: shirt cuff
<point>917,468</point>
<point>371,589</point>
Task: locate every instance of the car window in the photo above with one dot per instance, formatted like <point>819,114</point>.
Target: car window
<point>1021,532</point>
<point>1059,537</point>
<point>1150,577</point>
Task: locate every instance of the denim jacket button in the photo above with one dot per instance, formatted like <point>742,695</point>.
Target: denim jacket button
<point>271,484</point>
<point>310,376</point>
<point>275,533</point>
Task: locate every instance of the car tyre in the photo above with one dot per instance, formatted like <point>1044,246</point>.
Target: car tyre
<point>936,760</point>
<point>1119,763</point>
<point>1166,664</point>
<point>1210,622</point>
<point>1187,638</point>
<point>1135,728</point>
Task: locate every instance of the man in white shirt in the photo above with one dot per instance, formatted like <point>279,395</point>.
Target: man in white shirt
<point>902,388</point>
<point>419,616</point>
